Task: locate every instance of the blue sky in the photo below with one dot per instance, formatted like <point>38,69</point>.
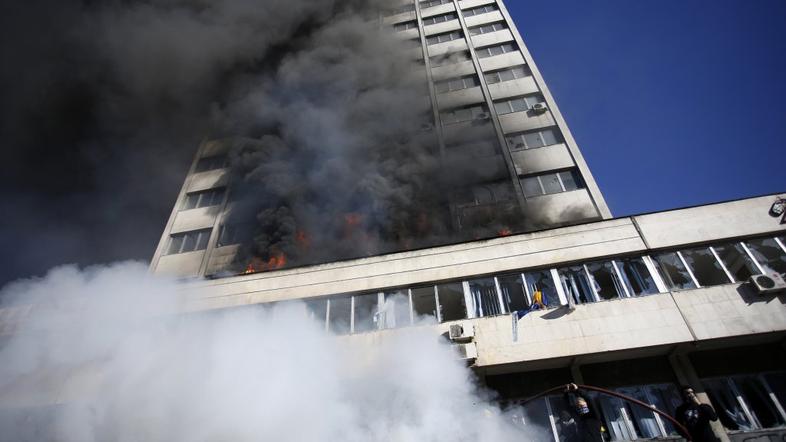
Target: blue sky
<point>673,102</point>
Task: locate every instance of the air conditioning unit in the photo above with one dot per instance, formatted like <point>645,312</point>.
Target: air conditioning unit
<point>768,283</point>
<point>483,116</point>
<point>461,332</point>
<point>539,108</point>
<point>467,352</point>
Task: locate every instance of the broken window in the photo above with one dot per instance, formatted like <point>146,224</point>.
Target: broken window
<point>394,311</point>
<point>605,280</point>
<point>316,310</point>
<point>464,114</point>
<point>203,198</point>
<point>673,271</point>
<point>453,57</point>
<point>577,284</point>
<point>760,403</point>
<point>424,302</point>
<point>705,267</point>
<point>188,241</point>
<point>340,315</point>
<point>746,402</point>
<point>451,301</point>
<point>737,262</point>
<point>513,294</point>
<point>543,281</point>
<point>769,254</point>
<point>636,276</point>
<point>727,406</point>
<point>643,422</point>
<point>484,297</point>
<point>366,317</point>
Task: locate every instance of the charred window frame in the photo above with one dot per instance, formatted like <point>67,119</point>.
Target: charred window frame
<point>433,20</point>
<point>488,29</point>
<point>491,51</point>
<point>457,84</point>
<point>480,10</point>
<point>185,242</point>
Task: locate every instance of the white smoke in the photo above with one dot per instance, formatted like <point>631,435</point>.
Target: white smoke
<point>102,355</point>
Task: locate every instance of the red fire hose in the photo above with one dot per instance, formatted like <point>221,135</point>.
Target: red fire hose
<point>563,388</point>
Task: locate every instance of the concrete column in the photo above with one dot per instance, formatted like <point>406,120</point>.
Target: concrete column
<point>686,375</point>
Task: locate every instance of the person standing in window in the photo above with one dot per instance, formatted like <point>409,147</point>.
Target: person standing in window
<point>587,424</point>
<point>696,417</point>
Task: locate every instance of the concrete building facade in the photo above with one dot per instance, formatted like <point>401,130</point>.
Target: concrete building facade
<point>487,97</point>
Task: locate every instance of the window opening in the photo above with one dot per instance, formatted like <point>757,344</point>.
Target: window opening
<point>513,294</point>
<point>605,280</point>
<point>487,29</point>
<point>316,310</point>
<point>203,198</point>
<point>340,315</point>
<point>577,284</point>
<point>519,104</point>
<point>673,271</point>
<point>492,51</point>
<point>442,38</point>
<point>484,296</point>
<point>439,19</point>
<point>450,58</point>
<point>431,3</point>
<point>456,84</point>
<point>211,163</point>
<point>533,140</point>
<point>738,263</point>
<point>769,254</point>
<point>463,114</point>
<point>507,74</point>
<point>636,276</point>
<point>398,27</point>
<point>705,267</point>
<point>424,302</point>
<point>451,301</point>
<point>542,280</point>
<point>729,409</point>
<point>188,241</point>
<point>395,310</point>
<point>366,312</point>
<point>479,10</point>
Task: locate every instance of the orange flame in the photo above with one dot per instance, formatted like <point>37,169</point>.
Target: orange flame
<point>504,231</point>
<point>302,239</point>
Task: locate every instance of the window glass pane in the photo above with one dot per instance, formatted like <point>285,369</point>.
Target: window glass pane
<point>189,242</point>
<point>636,276</point>
<point>484,297</point>
<point>549,137</point>
<point>542,280</point>
<point>519,104</point>
<point>612,411</point>
<point>673,271</point>
<point>451,301</point>
<point>726,406</point>
<point>340,314</point>
<point>175,243</point>
<point>644,422</point>
<point>506,75</point>
<point>550,183</point>
<point>202,238</point>
<point>534,421</point>
<point>769,254</point>
<point>777,383</point>
<point>705,267</point>
<point>502,107</point>
<point>569,180</point>
<point>576,284</point>
<point>737,261</point>
<point>665,397</point>
<point>395,309</point>
<point>605,279</point>
<point>758,401</point>
<point>533,140</point>
<point>317,311</point>
<point>190,201</point>
<point>513,292</point>
<point>531,186</point>
<point>366,317</point>
<point>424,303</point>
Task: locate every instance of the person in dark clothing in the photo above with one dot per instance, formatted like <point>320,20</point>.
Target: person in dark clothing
<point>587,425</point>
<point>696,417</point>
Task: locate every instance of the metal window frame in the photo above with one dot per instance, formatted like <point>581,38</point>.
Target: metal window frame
<point>722,264</point>
<point>687,267</point>
<point>622,281</point>
<point>656,276</point>
<point>752,257</point>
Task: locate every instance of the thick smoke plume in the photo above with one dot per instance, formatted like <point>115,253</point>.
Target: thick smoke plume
<point>104,104</point>
<point>103,355</point>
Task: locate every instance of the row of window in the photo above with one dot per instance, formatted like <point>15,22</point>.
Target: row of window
<point>439,19</point>
<point>188,241</point>
<point>507,74</point>
<point>487,29</point>
<point>517,104</point>
<point>456,84</point>
<point>404,26</point>
<point>459,115</point>
<point>432,3</point>
<point>442,17</point>
<point>552,182</point>
<point>203,198</point>
<point>211,163</point>
<point>534,139</point>
<point>581,283</point>
<point>442,38</point>
<point>468,113</point>
<point>744,402</point>
<point>480,10</point>
<point>469,81</point>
